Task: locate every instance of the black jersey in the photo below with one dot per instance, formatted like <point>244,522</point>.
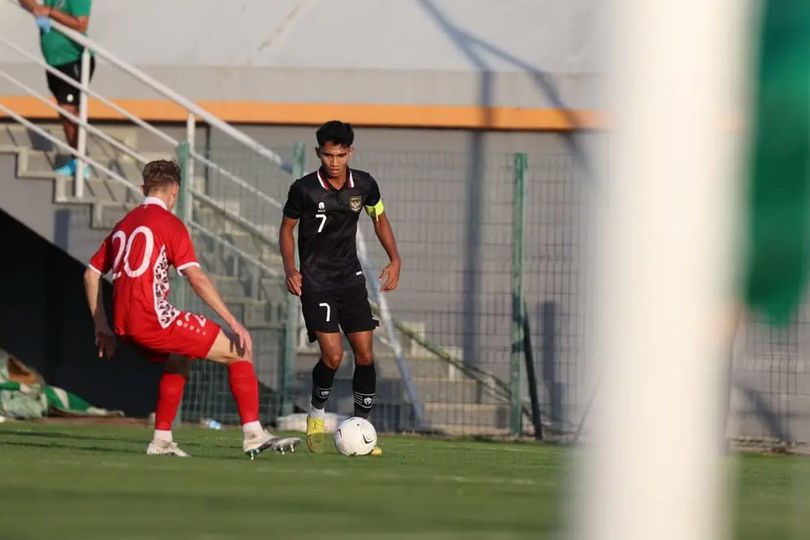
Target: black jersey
<point>328,226</point>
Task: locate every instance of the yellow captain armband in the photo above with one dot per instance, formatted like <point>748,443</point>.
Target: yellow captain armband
<point>376,211</point>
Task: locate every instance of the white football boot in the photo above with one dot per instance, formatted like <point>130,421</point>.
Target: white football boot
<point>255,443</point>
<point>164,448</point>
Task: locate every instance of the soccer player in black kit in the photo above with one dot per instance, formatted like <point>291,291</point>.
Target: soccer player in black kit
<point>331,283</point>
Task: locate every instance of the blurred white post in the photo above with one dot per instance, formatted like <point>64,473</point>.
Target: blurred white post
<point>81,147</point>
<point>664,273</point>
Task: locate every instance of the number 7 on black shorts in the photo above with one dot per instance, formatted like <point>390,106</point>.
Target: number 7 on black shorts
<point>330,311</point>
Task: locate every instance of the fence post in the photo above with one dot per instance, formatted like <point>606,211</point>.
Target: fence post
<point>182,211</point>
<point>183,196</point>
<point>188,164</point>
<point>291,323</point>
<point>81,142</point>
<point>517,294</point>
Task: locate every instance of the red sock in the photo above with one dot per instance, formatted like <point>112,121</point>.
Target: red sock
<point>245,390</point>
<point>170,393</point>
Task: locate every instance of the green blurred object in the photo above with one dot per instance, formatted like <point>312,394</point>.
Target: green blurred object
<point>779,225</point>
<point>25,396</point>
<point>31,401</point>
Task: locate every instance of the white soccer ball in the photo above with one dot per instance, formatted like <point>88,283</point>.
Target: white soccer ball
<point>355,437</point>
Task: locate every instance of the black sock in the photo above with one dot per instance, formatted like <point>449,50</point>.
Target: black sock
<point>364,385</point>
<point>322,379</point>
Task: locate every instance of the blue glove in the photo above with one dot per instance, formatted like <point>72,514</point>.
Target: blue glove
<point>44,24</point>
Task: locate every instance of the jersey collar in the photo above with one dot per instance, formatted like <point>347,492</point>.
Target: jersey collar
<point>155,200</point>
<point>325,184</point>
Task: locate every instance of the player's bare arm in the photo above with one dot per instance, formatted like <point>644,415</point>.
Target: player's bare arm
<point>105,339</point>
<point>202,286</point>
<point>286,242</point>
<point>389,277</point>
<point>78,24</point>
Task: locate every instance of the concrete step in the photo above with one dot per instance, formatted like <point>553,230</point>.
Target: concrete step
<point>244,238</point>
<point>274,289</point>
<point>467,415</point>
<point>253,311</point>
<point>35,164</point>
<point>207,259</point>
<point>267,339</point>
<point>421,368</point>
<point>460,430</point>
<point>96,190</point>
<point>446,390</point>
<point>244,241</point>
<point>105,216</point>
<point>229,287</point>
<point>12,135</point>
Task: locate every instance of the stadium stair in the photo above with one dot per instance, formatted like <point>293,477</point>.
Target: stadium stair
<point>453,402</point>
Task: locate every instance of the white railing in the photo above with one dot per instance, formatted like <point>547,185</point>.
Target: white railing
<point>131,187</point>
<point>80,152</point>
<point>81,141</point>
<point>192,108</point>
<point>85,126</point>
<point>194,112</point>
<point>67,148</point>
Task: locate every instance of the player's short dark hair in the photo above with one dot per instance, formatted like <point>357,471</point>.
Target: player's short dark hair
<point>336,132</point>
<point>160,173</point>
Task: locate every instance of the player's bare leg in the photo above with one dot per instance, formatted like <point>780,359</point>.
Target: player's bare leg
<point>71,137</point>
<point>245,390</point>
<point>364,382</point>
<point>323,376</point>
<point>170,394</point>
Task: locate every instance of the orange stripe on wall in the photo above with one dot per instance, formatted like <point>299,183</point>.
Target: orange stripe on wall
<point>260,112</point>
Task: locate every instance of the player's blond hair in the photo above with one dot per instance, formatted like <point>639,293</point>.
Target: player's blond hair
<point>160,173</point>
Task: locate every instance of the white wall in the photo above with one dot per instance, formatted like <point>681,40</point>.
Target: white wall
<point>362,51</point>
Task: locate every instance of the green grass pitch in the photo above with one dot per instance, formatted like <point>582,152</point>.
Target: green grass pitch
<point>94,482</point>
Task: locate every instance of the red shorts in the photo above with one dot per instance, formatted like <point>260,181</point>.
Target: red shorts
<point>189,335</point>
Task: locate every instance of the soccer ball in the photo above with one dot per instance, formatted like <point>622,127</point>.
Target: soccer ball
<point>355,437</point>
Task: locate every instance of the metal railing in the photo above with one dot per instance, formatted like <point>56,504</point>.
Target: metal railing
<point>195,113</point>
<point>195,198</point>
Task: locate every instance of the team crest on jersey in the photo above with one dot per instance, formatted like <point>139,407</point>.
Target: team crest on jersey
<point>355,203</point>
<point>321,207</point>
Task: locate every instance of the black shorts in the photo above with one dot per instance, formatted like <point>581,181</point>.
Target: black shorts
<point>64,92</point>
<point>347,308</point>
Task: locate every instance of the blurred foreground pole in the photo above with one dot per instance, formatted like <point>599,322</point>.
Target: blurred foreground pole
<point>664,273</point>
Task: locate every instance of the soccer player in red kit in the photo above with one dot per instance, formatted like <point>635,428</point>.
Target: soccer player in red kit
<point>138,252</point>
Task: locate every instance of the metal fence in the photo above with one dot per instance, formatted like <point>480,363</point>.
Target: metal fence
<point>244,262</point>
<point>452,213</point>
<point>455,226</point>
<point>771,380</point>
<point>453,217</point>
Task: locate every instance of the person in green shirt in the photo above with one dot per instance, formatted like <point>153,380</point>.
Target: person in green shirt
<point>65,55</point>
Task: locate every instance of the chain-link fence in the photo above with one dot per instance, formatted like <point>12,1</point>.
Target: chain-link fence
<point>452,213</point>
<point>234,226</point>
<point>771,380</point>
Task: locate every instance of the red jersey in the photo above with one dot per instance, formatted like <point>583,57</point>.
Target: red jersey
<point>139,251</point>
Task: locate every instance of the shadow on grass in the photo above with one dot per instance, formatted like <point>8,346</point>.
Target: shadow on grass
<point>142,442</point>
<point>68,435</point>
<point>94,448</point>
